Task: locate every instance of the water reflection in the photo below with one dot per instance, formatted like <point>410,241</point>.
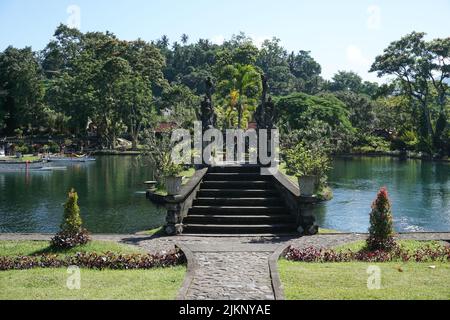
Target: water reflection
<point>420,192</point>
<point>109,202</point>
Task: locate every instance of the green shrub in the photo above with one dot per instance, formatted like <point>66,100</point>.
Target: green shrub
<point>381,233</point>
<point>23,149</point>
<point>369,144</point>
<point>169,168</point>
<point>72,234</point>
<point>301,161</point>
<point>53,147</point>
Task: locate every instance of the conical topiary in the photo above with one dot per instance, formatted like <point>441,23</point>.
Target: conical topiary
<point>381,232</point>
<point>72,233</point>
<point>72,219</point>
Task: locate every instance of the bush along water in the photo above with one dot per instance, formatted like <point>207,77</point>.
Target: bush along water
<point>72,233</point>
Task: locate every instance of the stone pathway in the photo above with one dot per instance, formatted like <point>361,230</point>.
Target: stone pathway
<point>232,268</point>
<point>242,275</point>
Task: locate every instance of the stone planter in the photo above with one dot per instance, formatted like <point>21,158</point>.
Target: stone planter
<point>307,185</point>
<point>173,185</point>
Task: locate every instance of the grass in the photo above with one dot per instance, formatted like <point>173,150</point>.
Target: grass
<point>348,281</point>
<point>50,284</point>
<point>29,248</point>
<point>40,284</point>
<point>327,231</point>
<point>153,232</point>
<point>25,158</point>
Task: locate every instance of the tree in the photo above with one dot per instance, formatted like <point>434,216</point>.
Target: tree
<point>381,233</point>
<point>326,115</point>
<point>306,70</point>
<point>246,80</point>
<point>60,53</point>
<point>111,83</point>
<point>21,90</point>
<point>184,38</point>
<point>407,59</point>
<point>272,60</point>
<point>71,234</point>
<point>361,108</point>
<point>346,81</point>
<point>439,73</point>
<point>178,104</point>
<point>136,106</point>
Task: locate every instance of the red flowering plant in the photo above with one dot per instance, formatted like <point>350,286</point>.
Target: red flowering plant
<point>381,232</point>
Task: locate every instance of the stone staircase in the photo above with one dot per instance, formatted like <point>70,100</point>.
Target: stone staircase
<point>238,200</point>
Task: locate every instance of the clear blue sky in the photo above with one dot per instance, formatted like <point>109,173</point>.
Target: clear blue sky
<point>342,35</point>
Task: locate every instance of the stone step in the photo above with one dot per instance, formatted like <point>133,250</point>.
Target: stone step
<point>236,185</point>
<point>239,229</point>
<point>236,177</point>
<point>235,169</point>
<point>238,219</point>
<point>222,201</point>
<point>239,210</point>
<point>241,193</point>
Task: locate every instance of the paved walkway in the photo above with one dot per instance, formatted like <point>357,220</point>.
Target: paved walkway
<point>230,272</point>
<point>232,268</point>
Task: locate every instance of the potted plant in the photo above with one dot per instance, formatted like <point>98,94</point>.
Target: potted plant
<point>308,166</point>
<point>171,173</point>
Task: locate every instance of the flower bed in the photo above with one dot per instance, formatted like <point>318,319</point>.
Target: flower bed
<point>427,253</point>
<point>97,261</point>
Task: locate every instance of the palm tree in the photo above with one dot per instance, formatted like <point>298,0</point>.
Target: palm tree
<point>246,81</point>
<point>184,38</point>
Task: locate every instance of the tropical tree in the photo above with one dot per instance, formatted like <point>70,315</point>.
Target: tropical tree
<point>307,72</point>
<point>21,90</point>
<point>246,81</point>
<point>407,60</point>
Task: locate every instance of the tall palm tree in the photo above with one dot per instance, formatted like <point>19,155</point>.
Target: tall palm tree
<point>184,38</point>
<point>246,81</point>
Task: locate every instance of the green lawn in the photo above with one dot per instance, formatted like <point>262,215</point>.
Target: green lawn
<point>41,284</point>
<point>24,158</point>
<point>348,281</point>
<point>35,284</point>
<point>28,248</point>
<point>327,231</point>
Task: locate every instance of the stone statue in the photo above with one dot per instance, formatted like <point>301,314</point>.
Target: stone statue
<point>269,114</point>
<point>207,115</point>
<point>265,113</point>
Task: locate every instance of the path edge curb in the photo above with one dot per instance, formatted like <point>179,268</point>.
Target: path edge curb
<point>274,274</point>
<point>191,268</point>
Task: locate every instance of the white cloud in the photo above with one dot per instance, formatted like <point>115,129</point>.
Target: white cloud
<point>258,40</point>
<point>356,57</point>
<point>374,18</point>
<point>218,39</point>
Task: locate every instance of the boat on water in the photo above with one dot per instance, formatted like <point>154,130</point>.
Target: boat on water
<point>71,158</point>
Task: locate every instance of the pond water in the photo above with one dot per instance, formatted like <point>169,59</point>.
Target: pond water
<point>112,198</point>
<point>419,192</point>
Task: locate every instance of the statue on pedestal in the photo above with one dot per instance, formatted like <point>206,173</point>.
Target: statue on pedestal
<point>265,113</point>
<point>207,115</point>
